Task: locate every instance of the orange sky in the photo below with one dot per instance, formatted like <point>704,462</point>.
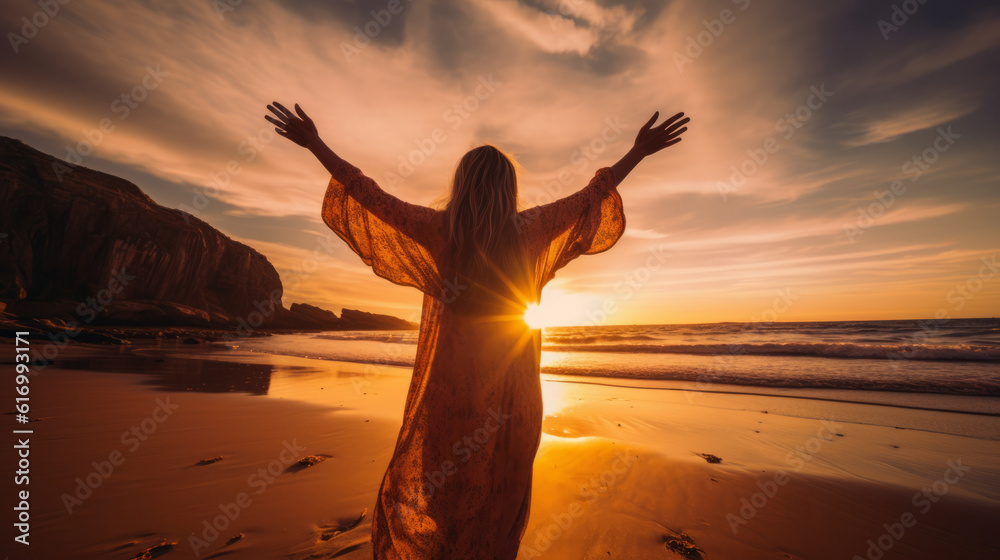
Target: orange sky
<point>822,109</point>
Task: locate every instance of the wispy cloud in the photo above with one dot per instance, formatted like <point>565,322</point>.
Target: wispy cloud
<point>919,117</point>
<point>573,81</point>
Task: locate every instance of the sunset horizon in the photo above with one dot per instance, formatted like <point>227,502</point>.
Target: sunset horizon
<point>815,182</point>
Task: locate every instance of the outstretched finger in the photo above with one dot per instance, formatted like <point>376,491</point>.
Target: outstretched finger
<point>281,116</point>
<point>677,125</point>
<point>285,110</point>
<point>302,113</point>
<point>677,134</point>
<point>274,121</point>
<point>670,121</point>
<point>652,120</point>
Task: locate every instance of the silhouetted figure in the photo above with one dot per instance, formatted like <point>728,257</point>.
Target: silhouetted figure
<point>459,482</point>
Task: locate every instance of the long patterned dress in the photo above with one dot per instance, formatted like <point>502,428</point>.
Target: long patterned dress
<point>459,482</point>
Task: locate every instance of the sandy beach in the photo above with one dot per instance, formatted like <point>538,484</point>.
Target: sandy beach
<point>198,451</point>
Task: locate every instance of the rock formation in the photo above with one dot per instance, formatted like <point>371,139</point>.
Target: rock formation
<point>83,246</point>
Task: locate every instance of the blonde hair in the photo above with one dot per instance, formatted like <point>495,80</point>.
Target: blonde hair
<point>484,244</point>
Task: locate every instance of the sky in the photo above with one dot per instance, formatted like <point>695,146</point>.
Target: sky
<point>840,164</point>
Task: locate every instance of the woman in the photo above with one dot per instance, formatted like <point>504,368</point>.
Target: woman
<point>459,482</point>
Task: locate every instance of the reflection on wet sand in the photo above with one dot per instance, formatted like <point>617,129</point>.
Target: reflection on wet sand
<point>188,374</point>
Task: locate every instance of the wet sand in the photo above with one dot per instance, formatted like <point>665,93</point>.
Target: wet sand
<point>190,451</point>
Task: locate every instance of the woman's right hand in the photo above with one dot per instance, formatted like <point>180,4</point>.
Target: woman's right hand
<point>297,128</point>
<point>650,140</point>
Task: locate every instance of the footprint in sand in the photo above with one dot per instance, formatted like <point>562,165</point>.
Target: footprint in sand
<point>328,545</point>
<point>221,553</point>
<point>306,462</point>
<point>683,545</point>
<point>155,551</point>
<point>331,530</point>
<point>208,461</point>
<point>710,458</point>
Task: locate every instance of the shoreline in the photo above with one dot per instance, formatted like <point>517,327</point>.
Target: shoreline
<point>61,332</point>
<point>745,390</point>
<point>845,480</point>
<point>876,380</point>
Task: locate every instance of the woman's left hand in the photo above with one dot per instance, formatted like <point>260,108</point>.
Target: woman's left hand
<point>653,139</point>
<point>297,128</point>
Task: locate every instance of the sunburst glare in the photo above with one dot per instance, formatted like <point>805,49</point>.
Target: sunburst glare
<point>558,309</point>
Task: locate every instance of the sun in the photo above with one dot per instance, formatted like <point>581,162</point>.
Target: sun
<point>535,316</point>
<point>557,309</point>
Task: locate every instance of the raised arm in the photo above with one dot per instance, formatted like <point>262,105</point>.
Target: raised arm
<point>591,220</point>
<point>410,219</point>
<point>558,215</point>
<point>397,239</point>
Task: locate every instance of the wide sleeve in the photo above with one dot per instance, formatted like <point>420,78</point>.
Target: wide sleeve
<point>587,222</point>
<point>397,239</point>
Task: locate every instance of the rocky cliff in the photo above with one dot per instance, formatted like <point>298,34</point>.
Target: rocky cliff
<point>81,245</point>
<point>350,319</point>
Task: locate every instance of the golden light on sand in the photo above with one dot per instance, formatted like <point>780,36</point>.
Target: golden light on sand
<point>552,396</point>
<point>557,309</point>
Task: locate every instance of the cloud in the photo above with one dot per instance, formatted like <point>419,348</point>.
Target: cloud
<point>911,119</point>
<point>572,81</point>
<point>548,32</point>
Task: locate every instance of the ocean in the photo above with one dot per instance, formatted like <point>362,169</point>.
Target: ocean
<point>947,358</point>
